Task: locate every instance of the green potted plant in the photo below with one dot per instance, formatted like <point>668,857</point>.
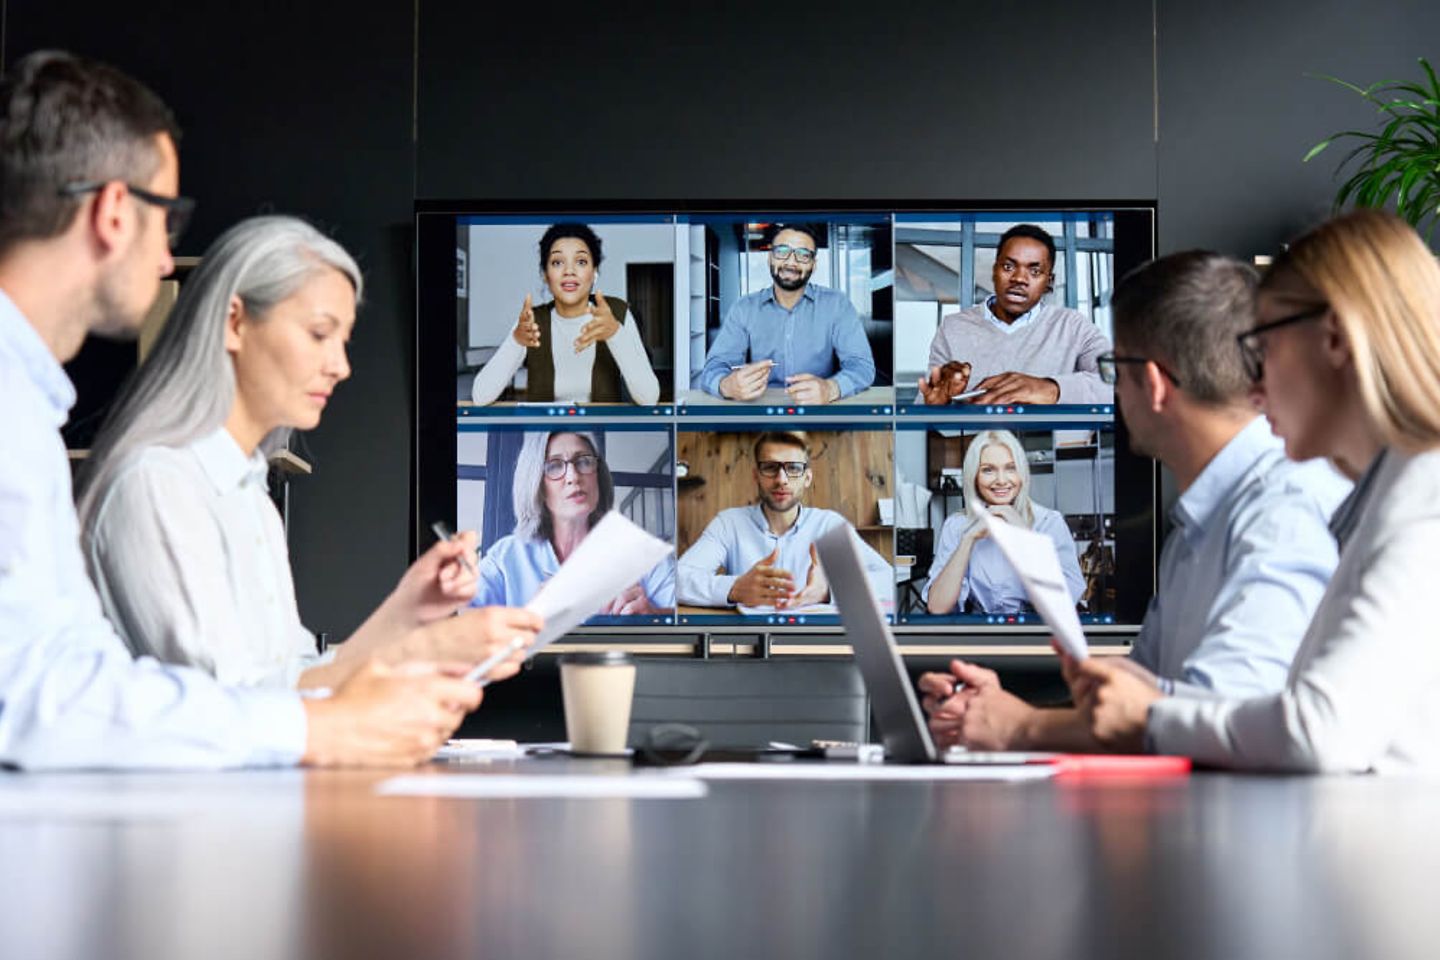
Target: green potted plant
<point>1401,163</point>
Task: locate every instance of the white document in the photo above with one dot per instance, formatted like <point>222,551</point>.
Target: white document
<point>865,771</point>
<point>828,609</point>
<point>614,555</point>
<point>1033,557</point>
<point>550,785</point>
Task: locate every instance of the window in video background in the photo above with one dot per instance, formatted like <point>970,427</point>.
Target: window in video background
<point>730,258</point>
<point>1057,482</point>
<point>498,266</point>
<point>521,533</point>
<point>943,265</point>
<point>725,502</point>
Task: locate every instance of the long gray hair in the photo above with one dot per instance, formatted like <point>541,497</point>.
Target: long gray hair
<point>186,387</point>
<point>532,517</point>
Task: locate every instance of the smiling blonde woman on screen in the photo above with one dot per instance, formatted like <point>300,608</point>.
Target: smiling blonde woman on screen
<point>1346,360</point>
<point>968,566</point>
<point>185,547</point>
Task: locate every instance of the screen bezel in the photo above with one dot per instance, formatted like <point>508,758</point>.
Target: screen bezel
<point>1137,479</point>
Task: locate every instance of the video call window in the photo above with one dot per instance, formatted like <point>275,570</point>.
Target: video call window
<point>781,305</point>
<point>1058,482</point>
<point>531,330</point>
<point>751,505</point>
<point>533,493</point>
<point>960,299</point>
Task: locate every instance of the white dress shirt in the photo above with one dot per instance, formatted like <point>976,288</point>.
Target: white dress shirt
<point>990,577</point>
<point>573,370</point>
<point>1360,695</point>
<point>189,555</point>
<point>71,695</point>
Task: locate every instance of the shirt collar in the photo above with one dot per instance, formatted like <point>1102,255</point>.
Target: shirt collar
<point>1024,320</point>
<point>24,341</point>
<point>226,464</point>
<point>1221,475</point>
<point>1347,515</point>
<point>757,517</point>
<point>806,294</point>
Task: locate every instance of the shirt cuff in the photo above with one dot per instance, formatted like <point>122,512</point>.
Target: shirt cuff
<point>276,724</point>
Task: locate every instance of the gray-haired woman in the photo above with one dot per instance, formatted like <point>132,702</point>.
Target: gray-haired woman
<point>183,543</point>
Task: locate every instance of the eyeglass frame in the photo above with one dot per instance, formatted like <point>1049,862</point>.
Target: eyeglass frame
<point>785,465</point>
<point>809,254</point>
<point>567,463</point>
<point>178,209</point>
<point>1252,354</point>
<point>1114,360</point>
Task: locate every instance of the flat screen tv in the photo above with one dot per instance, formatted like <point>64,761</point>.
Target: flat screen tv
<point>738,377</point>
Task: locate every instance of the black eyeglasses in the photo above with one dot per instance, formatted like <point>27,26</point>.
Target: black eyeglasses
<point>1109,366</point>
<point>177,209</point>
<point>792,468</point>
<point>1252,343</point>
<point>783,251</point>
<point>584,465</point>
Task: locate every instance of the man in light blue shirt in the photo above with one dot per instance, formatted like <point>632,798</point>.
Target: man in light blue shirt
<point>794,334</point>
<point>1251,552</point>
<point>90,212</point>
<point>768,549</point>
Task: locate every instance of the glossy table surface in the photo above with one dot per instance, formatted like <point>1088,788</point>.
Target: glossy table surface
<point>315,864</point>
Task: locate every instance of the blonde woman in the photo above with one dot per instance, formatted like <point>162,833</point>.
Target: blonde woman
<point>969,567</point>
<point>1345,356</point>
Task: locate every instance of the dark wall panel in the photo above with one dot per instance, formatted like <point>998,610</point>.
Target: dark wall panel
<point>990,101</point>
<point>295,108</point>
<point>1237,113</point>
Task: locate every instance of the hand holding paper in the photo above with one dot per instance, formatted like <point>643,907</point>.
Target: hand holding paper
<point>1033,557</point>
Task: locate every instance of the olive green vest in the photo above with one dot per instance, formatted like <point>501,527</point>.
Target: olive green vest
<point>540,362</point>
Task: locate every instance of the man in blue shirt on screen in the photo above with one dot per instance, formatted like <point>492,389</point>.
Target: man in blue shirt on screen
<point>795,335</point>
<point>1251,553</point>
<point>768,549</point>
<point>89,176</point>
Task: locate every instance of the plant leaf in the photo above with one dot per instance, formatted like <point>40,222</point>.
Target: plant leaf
<point>1315,150</point>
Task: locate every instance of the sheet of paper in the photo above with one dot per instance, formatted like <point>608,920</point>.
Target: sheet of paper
<point>548,786</point>
<point>614,555</point>
<point>1033,557</point>
<point>863,771</point>
<point>804,610</point>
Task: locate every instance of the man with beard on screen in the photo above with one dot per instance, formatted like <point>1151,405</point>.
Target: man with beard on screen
<point>795,335</point>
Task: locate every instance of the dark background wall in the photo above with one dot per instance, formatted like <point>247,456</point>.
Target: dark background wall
<point>347,114</point>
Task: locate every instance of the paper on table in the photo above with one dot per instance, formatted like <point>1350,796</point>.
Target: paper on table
<point>865,771</point>
<point>614,555</point>
<point>1033,557</point>
<point>802,610</point>
<point>548,785</point>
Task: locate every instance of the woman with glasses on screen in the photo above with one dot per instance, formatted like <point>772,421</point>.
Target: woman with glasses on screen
<point>1345,356</point>
<point>579,346</point>
<point>970,572</point>
<point>562,487</point>
<point>184,545</point>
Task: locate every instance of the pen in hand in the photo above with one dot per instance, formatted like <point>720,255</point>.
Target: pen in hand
<point>442,530</point>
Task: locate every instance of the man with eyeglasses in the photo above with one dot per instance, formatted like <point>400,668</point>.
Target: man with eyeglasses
<point>1012,348</point>
<point>89,208</point>
<point>794,334</point>
<point>767,550</point>
<point>1251,550</point>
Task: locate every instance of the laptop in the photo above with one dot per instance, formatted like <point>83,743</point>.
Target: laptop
<point>897,712</point>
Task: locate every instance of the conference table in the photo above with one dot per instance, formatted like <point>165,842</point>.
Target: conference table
<point>288,863</point>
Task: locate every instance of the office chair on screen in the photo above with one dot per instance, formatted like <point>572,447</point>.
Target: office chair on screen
<point>750,703</point>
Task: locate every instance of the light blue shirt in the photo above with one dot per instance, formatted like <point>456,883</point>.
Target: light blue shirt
<point>990,578</point>
<point>740,537</point>
<point>71,696</point>
<point>1019,323</point>
<point>1243,570</point>
<point>513,569</point>
<point>819,331</point>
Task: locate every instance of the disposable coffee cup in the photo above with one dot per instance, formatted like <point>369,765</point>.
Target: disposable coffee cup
<point>597,688</point>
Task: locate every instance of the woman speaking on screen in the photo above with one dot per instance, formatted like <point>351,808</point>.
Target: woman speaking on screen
<point>579,346</point>
<point>969,569</point>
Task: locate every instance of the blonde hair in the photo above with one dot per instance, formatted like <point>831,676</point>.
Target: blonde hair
<point>1383,285</point>
<point>974,503</point>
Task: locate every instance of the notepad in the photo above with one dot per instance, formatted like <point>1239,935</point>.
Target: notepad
<point>482,786</point>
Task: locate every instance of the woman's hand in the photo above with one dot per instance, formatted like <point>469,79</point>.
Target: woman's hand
<point>602,325</point>
<point>1007,513</point>
<point>527,331</point>
<point>437,584</point>
<point>631,602</point>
